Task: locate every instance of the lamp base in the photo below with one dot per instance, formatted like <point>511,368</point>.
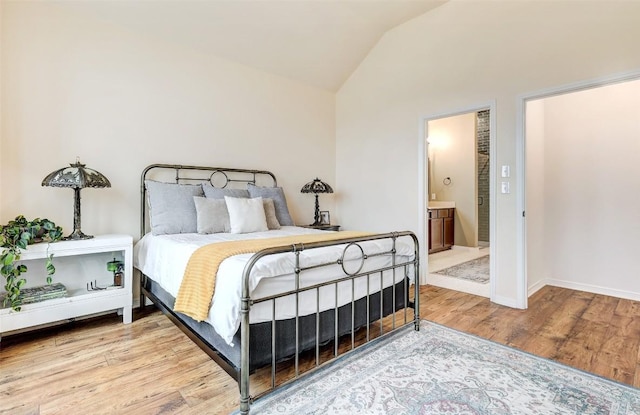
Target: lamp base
<point>76,235</point>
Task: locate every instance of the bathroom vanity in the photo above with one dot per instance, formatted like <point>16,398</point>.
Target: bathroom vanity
<point>441,225</point>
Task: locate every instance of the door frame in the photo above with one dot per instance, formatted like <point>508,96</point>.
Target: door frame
<point>423,148</point>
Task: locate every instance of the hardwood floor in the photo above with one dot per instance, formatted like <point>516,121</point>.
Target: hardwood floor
<point>101,366</point>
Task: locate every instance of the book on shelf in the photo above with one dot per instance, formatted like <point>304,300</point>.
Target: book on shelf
<point>42,293</point>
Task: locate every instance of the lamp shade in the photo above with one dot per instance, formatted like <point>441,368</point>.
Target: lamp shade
<point>316,186</point>
<point>77,176</point>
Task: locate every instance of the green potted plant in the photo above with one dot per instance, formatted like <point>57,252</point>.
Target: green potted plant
<point>15,236</point>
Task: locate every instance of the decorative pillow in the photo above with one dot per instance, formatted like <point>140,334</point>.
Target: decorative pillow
<point>270,214</point>
<point>212,215</point>
<point>217,193</point>
<point>246,215</point>
<point>279,201</point>
<point>171,207</point>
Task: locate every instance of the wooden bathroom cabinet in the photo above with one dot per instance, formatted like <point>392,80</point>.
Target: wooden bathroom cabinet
<point>441,229</point>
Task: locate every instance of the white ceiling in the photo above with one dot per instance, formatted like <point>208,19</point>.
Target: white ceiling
<point>318,42</point>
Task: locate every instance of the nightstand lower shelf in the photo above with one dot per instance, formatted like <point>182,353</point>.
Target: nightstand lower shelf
<point>66,308</point>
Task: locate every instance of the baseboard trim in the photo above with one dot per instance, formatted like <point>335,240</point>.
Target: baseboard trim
<point>595,289</point>
<point>536,287</point>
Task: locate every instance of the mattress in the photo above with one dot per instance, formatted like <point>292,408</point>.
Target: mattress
<point>163,258</point>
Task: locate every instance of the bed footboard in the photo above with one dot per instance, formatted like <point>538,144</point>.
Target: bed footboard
<point>400,299</point>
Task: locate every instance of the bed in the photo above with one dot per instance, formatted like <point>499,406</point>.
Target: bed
<point>284,290</point>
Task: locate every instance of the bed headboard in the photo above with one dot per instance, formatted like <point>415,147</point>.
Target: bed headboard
<point>219,177</point>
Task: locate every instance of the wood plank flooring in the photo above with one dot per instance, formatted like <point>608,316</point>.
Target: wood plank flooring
<point>102,366</point>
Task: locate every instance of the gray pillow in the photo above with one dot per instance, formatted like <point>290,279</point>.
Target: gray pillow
<point>217,193</point>
<point>212,215</point>
<point>171,207</point>
<point>279,201</point>
<point>270,213</point>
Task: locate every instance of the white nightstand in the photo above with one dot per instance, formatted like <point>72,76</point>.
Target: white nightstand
<point>78,264</point>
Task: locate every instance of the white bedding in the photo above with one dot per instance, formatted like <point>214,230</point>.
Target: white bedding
<point>163,258</point>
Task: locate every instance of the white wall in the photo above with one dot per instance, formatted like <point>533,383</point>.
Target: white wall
<point>462,55</point>
<point>452,154</point>
<point>537,241</point>
<point>120,100</point>
<point>1,100</point>
<point>592,190</point>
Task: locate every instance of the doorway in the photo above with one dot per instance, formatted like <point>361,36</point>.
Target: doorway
<point>580,163</point>
<point>458,176</point>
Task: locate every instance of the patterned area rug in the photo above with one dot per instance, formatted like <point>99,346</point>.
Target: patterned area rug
<point>442,371</point>
<point>475,270</point>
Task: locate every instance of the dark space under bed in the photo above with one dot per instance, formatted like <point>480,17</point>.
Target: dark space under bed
<point>228,357</point>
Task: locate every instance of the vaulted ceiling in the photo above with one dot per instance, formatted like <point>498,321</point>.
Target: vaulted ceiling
<point>318,42</point>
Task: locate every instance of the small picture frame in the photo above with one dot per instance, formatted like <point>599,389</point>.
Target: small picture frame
<point>324,217</point>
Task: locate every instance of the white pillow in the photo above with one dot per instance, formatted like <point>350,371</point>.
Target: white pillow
<point>246,215</point>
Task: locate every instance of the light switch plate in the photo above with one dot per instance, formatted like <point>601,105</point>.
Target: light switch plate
<point>505,188</point>
<point>506,171</point>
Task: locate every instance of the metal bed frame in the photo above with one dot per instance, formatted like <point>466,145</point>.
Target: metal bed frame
<point>182,174</point>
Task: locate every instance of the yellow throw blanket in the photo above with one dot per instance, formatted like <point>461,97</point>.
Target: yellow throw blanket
<point>198,284</point>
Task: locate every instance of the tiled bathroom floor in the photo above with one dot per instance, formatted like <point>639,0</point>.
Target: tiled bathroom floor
<point>445,259</point>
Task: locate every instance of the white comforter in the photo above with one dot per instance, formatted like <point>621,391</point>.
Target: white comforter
<point>164,258</point>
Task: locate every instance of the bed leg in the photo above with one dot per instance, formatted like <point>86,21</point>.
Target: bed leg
<point>416,308</point>
<point>244,406</point>
<point>245,398</point>
<point>143,299</point>
<point>416,305</point>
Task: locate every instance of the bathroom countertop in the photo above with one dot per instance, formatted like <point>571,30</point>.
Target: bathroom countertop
<point>441,204</point>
